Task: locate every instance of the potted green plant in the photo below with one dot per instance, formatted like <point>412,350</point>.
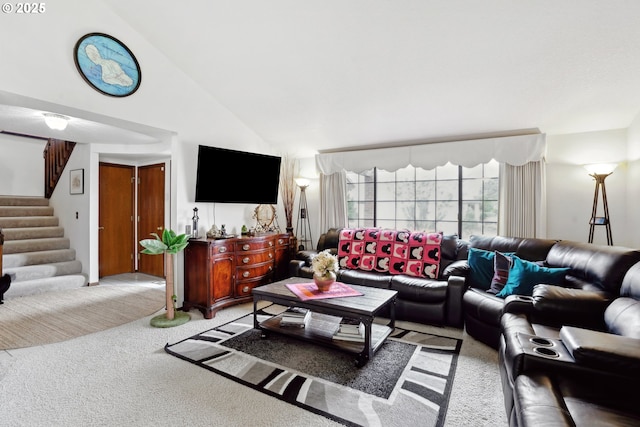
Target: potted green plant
<point>168,245</point>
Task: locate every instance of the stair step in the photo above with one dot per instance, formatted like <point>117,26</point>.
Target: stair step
<point>41,271</point>
<point>23,201</point>
<point>36,245</point>
<point>41,257</point>
<point>28,221</point>
<point>12,211</point>
<point>57,283</point>
<point>36,254</point>
<point>24,233</point>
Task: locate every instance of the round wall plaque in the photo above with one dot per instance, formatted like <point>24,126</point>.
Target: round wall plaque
<point>107,65</point>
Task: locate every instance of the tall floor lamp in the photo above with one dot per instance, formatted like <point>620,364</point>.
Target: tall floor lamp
<point>599,172</point>
<point>303,228</point>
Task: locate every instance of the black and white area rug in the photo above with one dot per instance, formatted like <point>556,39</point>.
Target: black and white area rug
<point>408,381</point>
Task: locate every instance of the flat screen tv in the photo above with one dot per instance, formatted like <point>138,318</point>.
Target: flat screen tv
<point>230,176</point>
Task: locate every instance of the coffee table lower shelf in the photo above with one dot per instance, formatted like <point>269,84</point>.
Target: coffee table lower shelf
<point>321,328</point>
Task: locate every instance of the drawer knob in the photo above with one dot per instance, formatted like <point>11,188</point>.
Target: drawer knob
<point>270,255</point>
<point>245,289</point>
<point>246,274</point>
<point>246,247</point>
<point>270,268</point>
<point>245,260</point>
<point>280,241</point>
<point>270,243</point>
<point>222,249</point>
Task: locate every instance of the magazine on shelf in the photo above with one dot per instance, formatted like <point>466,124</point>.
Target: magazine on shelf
<point>351,326</point>
<point>295,316</point>
<point>348,337</point>
<point>350,330</point>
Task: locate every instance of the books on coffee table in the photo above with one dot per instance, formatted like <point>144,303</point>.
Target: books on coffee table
<point>350,330</point>
<point>295,317</point>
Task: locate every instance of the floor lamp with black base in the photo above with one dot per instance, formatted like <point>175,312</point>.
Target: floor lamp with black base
<point>303,229</point>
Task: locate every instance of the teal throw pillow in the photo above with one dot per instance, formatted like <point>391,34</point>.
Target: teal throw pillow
<point>481,268</point>
<point>524,275</point>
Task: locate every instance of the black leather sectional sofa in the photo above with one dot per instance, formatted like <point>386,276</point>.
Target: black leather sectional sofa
<point>571,357</point>
<point>569,352</point>
<point>420,299</point>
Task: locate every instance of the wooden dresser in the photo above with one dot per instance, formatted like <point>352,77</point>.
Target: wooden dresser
<point>222,272</point>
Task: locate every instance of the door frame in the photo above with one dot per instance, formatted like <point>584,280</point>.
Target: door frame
<point>136,164</point>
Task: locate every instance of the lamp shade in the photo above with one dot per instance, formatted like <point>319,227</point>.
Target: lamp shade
<point>56,121</point>
<point>302,182</point>
<point>601,168</point>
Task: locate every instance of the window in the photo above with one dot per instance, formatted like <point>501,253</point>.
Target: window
<point>449,198</point>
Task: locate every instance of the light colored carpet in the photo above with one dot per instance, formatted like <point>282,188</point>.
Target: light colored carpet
<point>123,376</point>
<point>57,316</point>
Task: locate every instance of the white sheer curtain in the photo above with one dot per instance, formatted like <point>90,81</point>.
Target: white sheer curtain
<point>333,200</point>
<point>523,208</point>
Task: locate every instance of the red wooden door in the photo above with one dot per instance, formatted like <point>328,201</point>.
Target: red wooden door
<point>150,215</point>
<point>115,219</point>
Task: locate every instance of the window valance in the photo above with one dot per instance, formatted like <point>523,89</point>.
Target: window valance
<point>512,150</point>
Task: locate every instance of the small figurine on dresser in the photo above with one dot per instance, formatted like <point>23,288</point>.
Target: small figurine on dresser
<point>213,232</point>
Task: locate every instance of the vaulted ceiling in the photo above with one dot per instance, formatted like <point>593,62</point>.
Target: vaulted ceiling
<point>326,74</point>
<point>309,75</point>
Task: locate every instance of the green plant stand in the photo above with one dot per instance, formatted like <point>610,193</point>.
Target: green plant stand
<point>161,321</point>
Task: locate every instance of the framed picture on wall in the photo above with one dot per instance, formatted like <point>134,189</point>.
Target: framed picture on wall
<point>76,181</point>
<point>107,65</point>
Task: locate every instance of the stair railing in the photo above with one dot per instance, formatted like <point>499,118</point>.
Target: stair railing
<point>56,155</point>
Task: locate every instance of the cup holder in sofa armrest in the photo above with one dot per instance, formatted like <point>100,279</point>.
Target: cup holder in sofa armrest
<point>546,352</point>
<point>542,342</point>
<point>537,346</point>
<point>525,298</point>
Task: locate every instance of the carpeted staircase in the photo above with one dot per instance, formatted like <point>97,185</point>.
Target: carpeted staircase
<point>36,254</point>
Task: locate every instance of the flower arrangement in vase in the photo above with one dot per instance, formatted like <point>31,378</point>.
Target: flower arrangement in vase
<point>325,266</point>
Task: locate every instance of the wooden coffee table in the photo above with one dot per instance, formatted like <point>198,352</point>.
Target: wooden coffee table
<point>326,316</point>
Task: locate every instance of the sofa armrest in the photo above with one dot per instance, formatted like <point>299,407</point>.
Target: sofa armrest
<point>455,290</point>
<point>306,256</point>
<point>518,304</point>
<point>558,306</point>
<point>456,268</point>
<point>294,267</point>
<point>603,351</point>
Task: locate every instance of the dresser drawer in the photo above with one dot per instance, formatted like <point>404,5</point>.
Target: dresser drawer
<point>282,240</point>
<point>252,258</point>
<point>254,245</point>
<point>244,289</point>
<point>222,248</point>
<point>253,272</point>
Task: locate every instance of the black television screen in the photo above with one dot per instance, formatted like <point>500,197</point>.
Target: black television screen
<point>230,176</point>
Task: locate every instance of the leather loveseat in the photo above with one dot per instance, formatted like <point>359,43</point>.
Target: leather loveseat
<point>591,267</point>
<point>571,357</point>
<point>420,299</point>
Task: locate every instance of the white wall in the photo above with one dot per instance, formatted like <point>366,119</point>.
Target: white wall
<point>633,183</point>
<point>67,206</point>
<point>21,166</point>
<point>570,189</point>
